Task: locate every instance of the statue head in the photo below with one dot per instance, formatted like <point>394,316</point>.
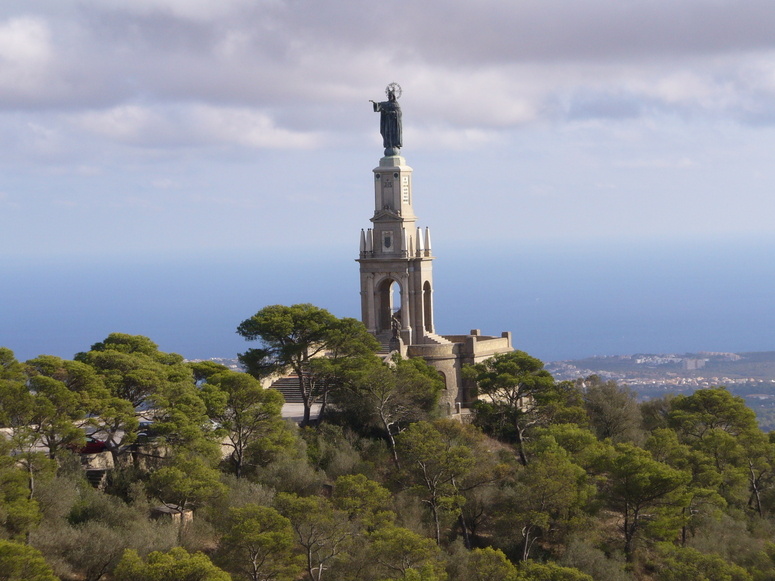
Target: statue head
<point>393,92</point>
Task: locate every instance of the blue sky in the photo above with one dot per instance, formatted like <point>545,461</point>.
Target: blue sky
<point>137,129</point>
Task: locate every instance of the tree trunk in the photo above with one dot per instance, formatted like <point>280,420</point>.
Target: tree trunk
<point>528,542</point>
<point>310,568</point>
<point>323,403</point>
<point>630,526</point>
<point>391,441</point>
<point>755,493</point>
<point>521,446</point>
<point>113,449</point>
<point>435,511</point>
<point>466,534</point>
<point>237,464</point>
<point>305,398</point>
<point>30,481</point>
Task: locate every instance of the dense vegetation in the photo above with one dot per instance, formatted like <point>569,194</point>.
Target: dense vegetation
<point>548,481</point>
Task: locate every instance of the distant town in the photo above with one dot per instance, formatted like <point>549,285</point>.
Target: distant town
<point>748,375</point>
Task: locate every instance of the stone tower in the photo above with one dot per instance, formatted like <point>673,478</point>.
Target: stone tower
<point>395,259</point>
<point>397,279</point>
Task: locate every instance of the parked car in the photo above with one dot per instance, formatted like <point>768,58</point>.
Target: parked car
<point>92,446</point>
<point>146,432</point>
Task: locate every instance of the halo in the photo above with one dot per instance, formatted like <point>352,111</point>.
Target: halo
<point>396,88</point>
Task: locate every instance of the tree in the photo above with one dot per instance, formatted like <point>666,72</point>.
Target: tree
<point>363,500</point>
<point>760,460</point>
<point>613,410</point>
<point>135,371</point>
<point>322,532</point>
<point>655,412</point>
<point>15,399</point>
<point>720,425</point>
<point>133,367</point>
<point>20,562</point>
<point>402,554</point>
<point>696,416</point>
<point>112,418</point>
<point>687,564</point>
<point>180,415</point>
<point>389,395</point>
<point>548,494</point>
<point>518,389</point>
<point>188,481</point>
<point>532,571</point>
<point>490,564</point>
<point>204,370</point>
<point>10,368</point>
<point>434,466</point>
<point>702,497</point>
<point>643,491</point>
<point>19,410</point>
<point>116,423</point>
<point>19,512</point>
<point>292,337</point>
<point>86,531</point>
<point>250,415</point>
<point>63,394</point>
<point>259,545</point>
<point>176,565</point>
<point>480,484</point>
<point>582,445</point>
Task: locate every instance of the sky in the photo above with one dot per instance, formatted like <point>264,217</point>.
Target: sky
<point>546,137</point>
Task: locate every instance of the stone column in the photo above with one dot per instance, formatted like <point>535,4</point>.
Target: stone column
<point>371,318</point>
<point>406,310</point>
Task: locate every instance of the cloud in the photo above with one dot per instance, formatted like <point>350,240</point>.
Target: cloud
<point>295,74</point>
<point>190,125</point>
<point>658,163</point>
<point>125,123</point>
<point>26,56</point>
<point>449,138</point>
<point>185,9</point>
<point>300,66</point>
<point>493,31</point>
<point>248,127</point>
<point>562,116</point>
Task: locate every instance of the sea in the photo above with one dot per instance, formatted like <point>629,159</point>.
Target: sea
<point>559,300</point>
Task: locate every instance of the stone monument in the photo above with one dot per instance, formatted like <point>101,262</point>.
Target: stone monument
<point>396,272</point>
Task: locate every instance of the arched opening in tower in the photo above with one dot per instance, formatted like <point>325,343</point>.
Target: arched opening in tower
<point>427,307</point>
<point>389,304</point>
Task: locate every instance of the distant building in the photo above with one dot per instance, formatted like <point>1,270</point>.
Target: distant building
<point>693,364</point>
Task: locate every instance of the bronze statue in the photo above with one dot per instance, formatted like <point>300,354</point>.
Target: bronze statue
<point>390,119</point>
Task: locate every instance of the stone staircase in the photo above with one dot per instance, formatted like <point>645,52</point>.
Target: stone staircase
<point>289,387</point>
<point>97,478</point>
<point>384,342</point>
<point>427,339</point>
<point>435,339</point>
